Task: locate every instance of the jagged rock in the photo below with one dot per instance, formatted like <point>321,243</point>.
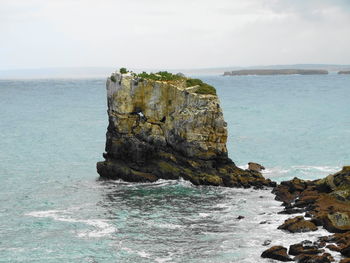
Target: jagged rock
<point>345,251</point>
<point>166,130</point>
<point>337,222</point>
<point>333,248</point>
<point>255,167</point>
<point>278,253</point>
<point>301,248</point>
<point>287,191</point>
<point>307,258</point>
<point>298,224</point>
<point>267,242</point>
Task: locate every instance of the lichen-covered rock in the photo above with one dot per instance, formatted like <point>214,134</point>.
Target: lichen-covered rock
<point>164,129</point>
<point>337,222</point>
<point>298,224</point>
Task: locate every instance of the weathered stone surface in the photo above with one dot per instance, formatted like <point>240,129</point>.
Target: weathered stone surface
<point>337,222</point>
<point>301,248</point>
<point>278,253</point>
<point>255,167</point>
<point>327,203</point>
<point>298,224</point>
<point>165,130</point>
<point>307,258</point>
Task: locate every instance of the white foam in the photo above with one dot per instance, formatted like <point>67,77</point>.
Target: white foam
<point>326,169</point>
<point>275,172</point>
<point>102,227</point>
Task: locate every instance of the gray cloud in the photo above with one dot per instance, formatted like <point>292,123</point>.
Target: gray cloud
<point>172,34</point>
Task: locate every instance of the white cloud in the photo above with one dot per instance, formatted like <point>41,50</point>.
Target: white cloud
<point>170,34</point>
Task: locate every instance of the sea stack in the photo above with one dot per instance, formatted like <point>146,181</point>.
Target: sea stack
<point>165,126</point>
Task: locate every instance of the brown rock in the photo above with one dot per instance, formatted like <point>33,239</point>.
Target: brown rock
<point>337,222</point>
<point>345,260</point>
<point>300,248</point>
<point>298,224</point>
<point>333,248</point>
<point>324,258</point>
<point>345,251</point>
<point>255,167</point>
<point>278,253</point>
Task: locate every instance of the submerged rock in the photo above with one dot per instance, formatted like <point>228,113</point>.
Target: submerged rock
<point>167,130</point>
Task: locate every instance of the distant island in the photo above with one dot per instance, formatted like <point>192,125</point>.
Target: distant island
<point>344,72</point>
<point>246,72</point>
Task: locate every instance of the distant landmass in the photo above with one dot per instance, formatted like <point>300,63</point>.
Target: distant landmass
<point>245,72</point>
<point>344,72</point>
<point>102,72</point>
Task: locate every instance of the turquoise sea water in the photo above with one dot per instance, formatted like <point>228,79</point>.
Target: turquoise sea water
<point>53,208</point>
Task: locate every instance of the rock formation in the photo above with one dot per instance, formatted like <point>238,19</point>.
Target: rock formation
<point>245,72</point>
<point>344,72</point>
<point>326,202</point>
<point>167,129</point>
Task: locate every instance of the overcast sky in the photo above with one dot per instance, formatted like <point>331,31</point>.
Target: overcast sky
<point>172,33</point>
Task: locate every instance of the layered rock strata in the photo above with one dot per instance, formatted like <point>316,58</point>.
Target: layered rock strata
<point>166,130</point>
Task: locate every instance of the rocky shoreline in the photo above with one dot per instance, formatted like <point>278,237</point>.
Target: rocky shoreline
<point>324,203</point>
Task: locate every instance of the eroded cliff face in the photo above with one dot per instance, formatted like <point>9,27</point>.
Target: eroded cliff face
<point>164,129</point>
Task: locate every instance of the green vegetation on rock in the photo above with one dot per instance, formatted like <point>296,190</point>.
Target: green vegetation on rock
<point>204,88</point>
<point>160,76</point>
<point>123,71</point>
<point>113,78</point>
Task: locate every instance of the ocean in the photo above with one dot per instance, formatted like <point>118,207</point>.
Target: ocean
<point>54,208</point>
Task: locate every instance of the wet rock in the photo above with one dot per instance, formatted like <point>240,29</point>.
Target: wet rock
<point>287,191</point>
<point>345,251</point>
<point>333,248</point>
<point>337,222</point>
<point>301,248</point>
<point>307,258</point>
<point>298,224</point>
<point>289,211</point>
<point>240,217</point>
<point>267,242</point>
<point>278,253</point>
<point>345,260</point>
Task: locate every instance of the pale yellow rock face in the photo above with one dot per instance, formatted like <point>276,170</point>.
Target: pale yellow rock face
<point>168,114</point>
